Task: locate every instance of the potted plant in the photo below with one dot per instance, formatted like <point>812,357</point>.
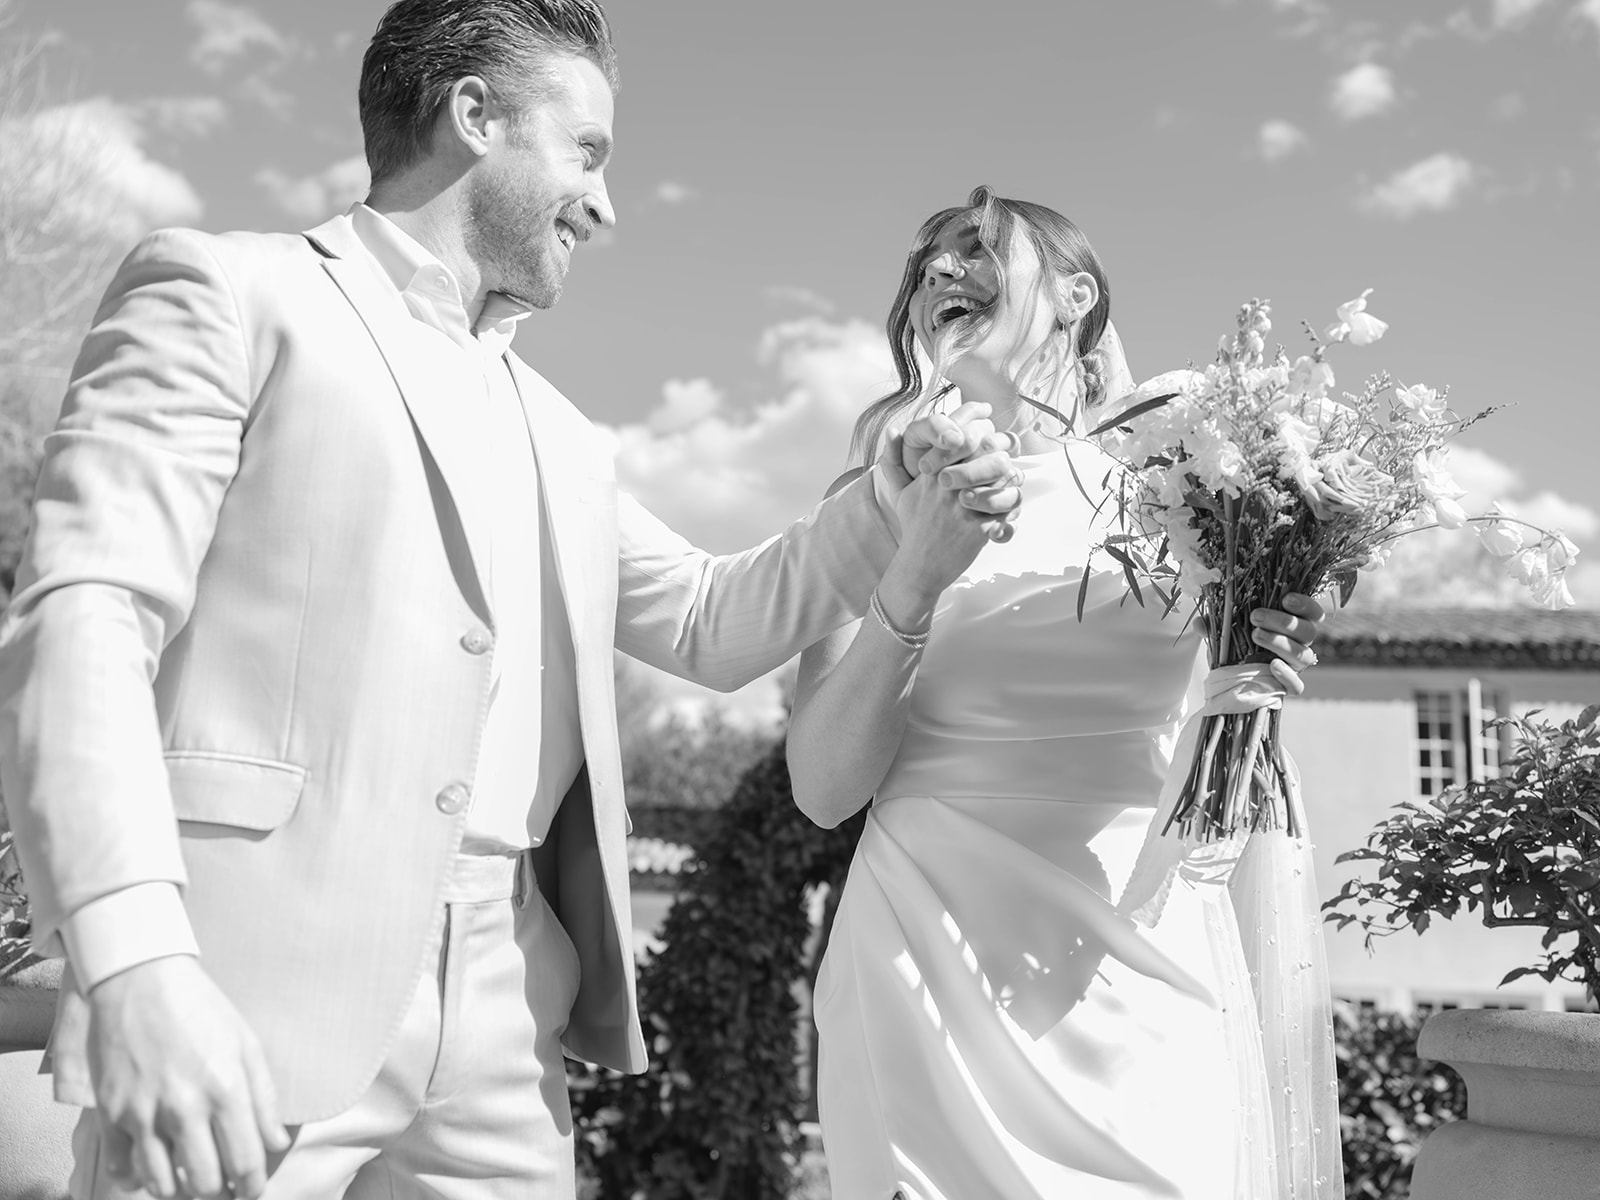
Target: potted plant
<point>35,1131</point>
<point>1522,848</point>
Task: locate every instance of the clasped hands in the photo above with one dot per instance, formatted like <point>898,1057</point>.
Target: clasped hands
<point>962,452</point>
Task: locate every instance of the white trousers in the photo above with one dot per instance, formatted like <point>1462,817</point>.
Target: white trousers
<point>471,1101</point>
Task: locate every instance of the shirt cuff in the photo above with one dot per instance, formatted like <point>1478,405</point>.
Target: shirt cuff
<point>126,929</point>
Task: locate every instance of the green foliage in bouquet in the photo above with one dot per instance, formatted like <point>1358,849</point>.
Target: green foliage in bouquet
<point>1519,849</point>
<point>717,1113</point>
<point>1389,1100</point>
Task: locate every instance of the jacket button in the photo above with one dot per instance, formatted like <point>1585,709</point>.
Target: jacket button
<point>476,640</point>
<point>452,799</point>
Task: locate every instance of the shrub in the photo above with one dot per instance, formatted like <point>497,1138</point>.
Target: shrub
<point>1522,848</point>
<point>1389,1100</point>
<point>717,1113</point>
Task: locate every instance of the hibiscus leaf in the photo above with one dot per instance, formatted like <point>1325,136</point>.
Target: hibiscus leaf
<point>1138,410</point>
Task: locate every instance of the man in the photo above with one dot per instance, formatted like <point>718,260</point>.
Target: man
<point>306,704</point>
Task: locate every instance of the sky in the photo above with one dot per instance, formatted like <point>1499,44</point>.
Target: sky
<point>773,161</point>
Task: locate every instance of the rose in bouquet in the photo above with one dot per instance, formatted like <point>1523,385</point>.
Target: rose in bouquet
<point>1249,480</point>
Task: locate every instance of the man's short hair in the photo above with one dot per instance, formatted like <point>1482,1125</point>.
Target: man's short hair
<point>422,47</point>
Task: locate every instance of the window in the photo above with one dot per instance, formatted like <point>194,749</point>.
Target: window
<point>1452,743</point>
<point>1426,1005</point>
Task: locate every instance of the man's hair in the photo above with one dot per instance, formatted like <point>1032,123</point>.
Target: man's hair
<point>422,47</point>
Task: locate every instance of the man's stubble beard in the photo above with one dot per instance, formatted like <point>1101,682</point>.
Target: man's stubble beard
<point>511,239</point>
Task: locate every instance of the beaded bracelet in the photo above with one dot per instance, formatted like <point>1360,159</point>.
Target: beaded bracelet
<point>913,641</point>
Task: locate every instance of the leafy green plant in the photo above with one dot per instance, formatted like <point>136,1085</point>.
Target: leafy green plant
<point>1389,1100</point>
<point>1522,848</point>
<point>717,1113</point>
<point>14,923</point>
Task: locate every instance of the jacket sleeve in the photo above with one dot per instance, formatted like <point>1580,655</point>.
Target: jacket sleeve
<point>724,620</point>
<point>126,506</point>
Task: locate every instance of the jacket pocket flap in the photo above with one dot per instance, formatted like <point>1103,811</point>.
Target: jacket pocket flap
<point>226,789</point>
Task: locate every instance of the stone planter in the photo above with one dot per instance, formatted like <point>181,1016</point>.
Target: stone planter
<point>35,1131</point>
<point>1533,1107</point>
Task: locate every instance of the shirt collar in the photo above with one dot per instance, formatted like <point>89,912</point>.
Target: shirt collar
<point>414,270</point>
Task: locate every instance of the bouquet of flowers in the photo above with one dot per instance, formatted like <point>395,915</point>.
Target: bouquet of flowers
<point>1249,480</point>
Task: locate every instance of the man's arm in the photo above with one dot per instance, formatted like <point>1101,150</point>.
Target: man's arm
<point>126,505</point>
<point>129,491</point>
<point>723,621</point>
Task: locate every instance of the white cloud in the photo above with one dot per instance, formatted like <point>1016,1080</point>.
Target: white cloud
<point>802,297</point>
<point>1450,567</point>
<point>315,198</point>
<point>1514,12</point>
<point>185,116</point>
<point>85,164</point>
<point>1279,139</point>
<point>230,32</point>
<point>685,402</point>
<point>1363,91</point>
<point>727,476</point>
<point>669,192</point>
<point>1432,185</point>
<point>1589,11</point>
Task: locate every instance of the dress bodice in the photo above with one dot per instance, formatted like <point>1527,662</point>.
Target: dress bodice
<point>1015,695</point>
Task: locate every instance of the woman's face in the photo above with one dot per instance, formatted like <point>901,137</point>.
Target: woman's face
<point>960,283</point>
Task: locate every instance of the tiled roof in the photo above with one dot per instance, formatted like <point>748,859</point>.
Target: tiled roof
<point>1507,638</point>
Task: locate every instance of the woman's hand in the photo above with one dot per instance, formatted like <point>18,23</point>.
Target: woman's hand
<point>943,519</point>
<point>1289,635</point>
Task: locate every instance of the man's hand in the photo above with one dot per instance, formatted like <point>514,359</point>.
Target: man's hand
<point>185,1102</point>
<point>967,454</point>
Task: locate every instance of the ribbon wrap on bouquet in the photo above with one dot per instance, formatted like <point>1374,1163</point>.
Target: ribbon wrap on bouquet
<point>1274,899</point>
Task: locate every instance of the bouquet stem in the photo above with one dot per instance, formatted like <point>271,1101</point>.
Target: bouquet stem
<point>1239,779</point>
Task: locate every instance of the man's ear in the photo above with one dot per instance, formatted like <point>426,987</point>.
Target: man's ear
<point>467,111</point>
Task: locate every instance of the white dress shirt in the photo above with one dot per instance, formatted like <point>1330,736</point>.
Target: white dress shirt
<point>532,747</point>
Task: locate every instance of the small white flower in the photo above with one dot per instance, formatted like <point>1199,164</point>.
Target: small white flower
<point>1429,471</point>
<point>1561,553</point>
<point>1499,538</point>
<point>1311,378</point>
<point>1297,442</point>
<point>1355,325</point>
<point>1530,568</point>
<point>1377,557</point>
<point>1423,403</point>
<point>1555,595</point>
<point>1448,513</point>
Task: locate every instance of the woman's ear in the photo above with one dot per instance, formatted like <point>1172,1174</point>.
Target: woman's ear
<point>1081,293</point>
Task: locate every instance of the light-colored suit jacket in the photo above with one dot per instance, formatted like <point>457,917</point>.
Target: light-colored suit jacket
<point>246,650</point>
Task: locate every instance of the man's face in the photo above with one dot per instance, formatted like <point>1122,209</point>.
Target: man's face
<point>542,188</point>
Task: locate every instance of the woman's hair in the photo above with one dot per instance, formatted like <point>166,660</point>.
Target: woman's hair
<point>422,47</point>
<point>1063,252</point>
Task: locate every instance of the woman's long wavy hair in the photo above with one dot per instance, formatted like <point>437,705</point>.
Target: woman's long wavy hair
<point>1063,251</point>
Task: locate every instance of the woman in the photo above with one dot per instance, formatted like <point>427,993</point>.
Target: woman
<point>1001,1013</point>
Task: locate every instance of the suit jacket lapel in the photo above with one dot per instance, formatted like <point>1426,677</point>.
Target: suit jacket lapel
<point>427,385</point>
<point>561,485</point>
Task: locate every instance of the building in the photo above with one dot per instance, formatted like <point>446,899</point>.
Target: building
<point>1395,712</point>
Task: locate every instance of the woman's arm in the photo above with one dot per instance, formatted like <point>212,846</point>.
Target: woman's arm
<point>854,687</point>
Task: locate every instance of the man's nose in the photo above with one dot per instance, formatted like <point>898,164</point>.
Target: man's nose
<point>597,205</point>
<point>944,266</point>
